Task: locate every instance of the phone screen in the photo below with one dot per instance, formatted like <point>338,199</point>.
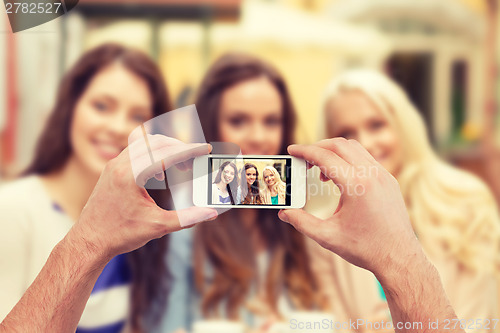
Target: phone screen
<point>250,181</point>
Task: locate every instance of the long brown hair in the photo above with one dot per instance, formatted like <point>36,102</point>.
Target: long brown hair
<point>232,187</point>
<point>250,193</point>
<point>149,271</point>
<point>224,243</point>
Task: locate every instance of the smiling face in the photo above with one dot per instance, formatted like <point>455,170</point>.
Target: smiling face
<point>227,174</point>
<point>251,174</point>
<point>269,178</point>
<point>251,116</point>
<point>114,103</point>
<point>353,116</point>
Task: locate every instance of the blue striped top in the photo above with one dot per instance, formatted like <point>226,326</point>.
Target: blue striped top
<point>108,306</point>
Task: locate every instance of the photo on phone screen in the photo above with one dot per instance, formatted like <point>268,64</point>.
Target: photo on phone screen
<point>253,181</point>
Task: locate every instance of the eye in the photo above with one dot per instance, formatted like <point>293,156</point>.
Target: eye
<point>377,124</point>
<point>273,121</point>
<point>139,118</point>
<point>237,121</point>
<point>101,106</point>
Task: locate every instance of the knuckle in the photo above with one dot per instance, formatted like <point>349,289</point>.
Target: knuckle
<point>120,175</point>
<point>159,228</point>
<point>353,142</point>
<point>339,140</point>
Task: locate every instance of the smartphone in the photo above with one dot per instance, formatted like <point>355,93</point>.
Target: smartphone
<point>249,181</point>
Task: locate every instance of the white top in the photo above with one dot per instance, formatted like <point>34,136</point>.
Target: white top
<point>217,195</point>
<point>30,226</point>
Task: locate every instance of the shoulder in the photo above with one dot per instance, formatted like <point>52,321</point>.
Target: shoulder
<point>18,202</point>
<point>21,192</point>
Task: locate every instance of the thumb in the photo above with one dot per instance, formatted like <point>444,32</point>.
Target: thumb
<point>308,224</point>
<point>177,220</point>
<point>193,215</point>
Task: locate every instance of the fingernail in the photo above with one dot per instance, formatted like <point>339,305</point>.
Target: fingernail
<point>282,216</point>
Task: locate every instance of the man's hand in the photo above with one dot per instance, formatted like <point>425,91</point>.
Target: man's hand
<point>372,230</point>
<point>370,227</point>
<point>120,216</point>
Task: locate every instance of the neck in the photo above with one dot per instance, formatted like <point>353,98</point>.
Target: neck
<point>271,188</point>
<point>71,187</point>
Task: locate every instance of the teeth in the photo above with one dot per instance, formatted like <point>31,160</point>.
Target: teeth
<point>109,148</point>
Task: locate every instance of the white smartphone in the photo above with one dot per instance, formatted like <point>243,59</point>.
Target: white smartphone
<point>249,181</point>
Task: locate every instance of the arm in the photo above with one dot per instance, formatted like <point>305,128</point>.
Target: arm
<point>371,229</point>
<point>415,295</point>
<point>57,297</point>
<point>118,218</point>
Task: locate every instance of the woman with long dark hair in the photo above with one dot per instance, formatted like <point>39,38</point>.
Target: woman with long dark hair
<point>225,185</point>
<point>110,91</point>
<point>250,185</point>
<point>246,265</point>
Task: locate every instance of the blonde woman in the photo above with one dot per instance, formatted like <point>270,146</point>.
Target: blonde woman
<point>274,192</point>
<point>452,212</point>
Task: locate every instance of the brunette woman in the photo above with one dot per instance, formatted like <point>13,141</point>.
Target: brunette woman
<point>225,185</point>
<point>246,265</point>
<point>250,185</point>
<point>110,91</point>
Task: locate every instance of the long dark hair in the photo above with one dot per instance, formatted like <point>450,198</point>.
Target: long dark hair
<point>224,242</point>
<point>232,187</point>
<point>148,267</point>
<point>250,193</point>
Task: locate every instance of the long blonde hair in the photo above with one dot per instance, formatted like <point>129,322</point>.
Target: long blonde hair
<point>279,186</point>
<point>453,212</point>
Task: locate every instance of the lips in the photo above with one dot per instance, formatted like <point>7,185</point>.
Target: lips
<point>107,150</point>
<point>380,157</point>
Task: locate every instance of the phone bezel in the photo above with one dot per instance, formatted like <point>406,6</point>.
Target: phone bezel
<point>298,183</point>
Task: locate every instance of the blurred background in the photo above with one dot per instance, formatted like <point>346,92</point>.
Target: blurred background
<point>445,53</point>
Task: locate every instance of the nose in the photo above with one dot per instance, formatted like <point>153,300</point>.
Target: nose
<point>119,125</point>
<point>366,140</point>
<point>257,135</point>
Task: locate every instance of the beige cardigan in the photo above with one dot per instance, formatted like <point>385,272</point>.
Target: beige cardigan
<point>352,292</point>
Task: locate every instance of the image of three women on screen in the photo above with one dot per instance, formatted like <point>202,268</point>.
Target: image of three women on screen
<point>245,187</point>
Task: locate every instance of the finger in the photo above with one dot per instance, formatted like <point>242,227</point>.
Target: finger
<point>182,166</point>
<point>362,150</point>
<point>144,145</point>
<point>165,157</point>
<point>181,219</point>
<point>339,205</point>
<point>193,215</point>
<point>323,178</point>
<point>330,164</point>
<point>305,223</point>
<point>345,150</point>
<point>160,176</point>
<point>187,165</point>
